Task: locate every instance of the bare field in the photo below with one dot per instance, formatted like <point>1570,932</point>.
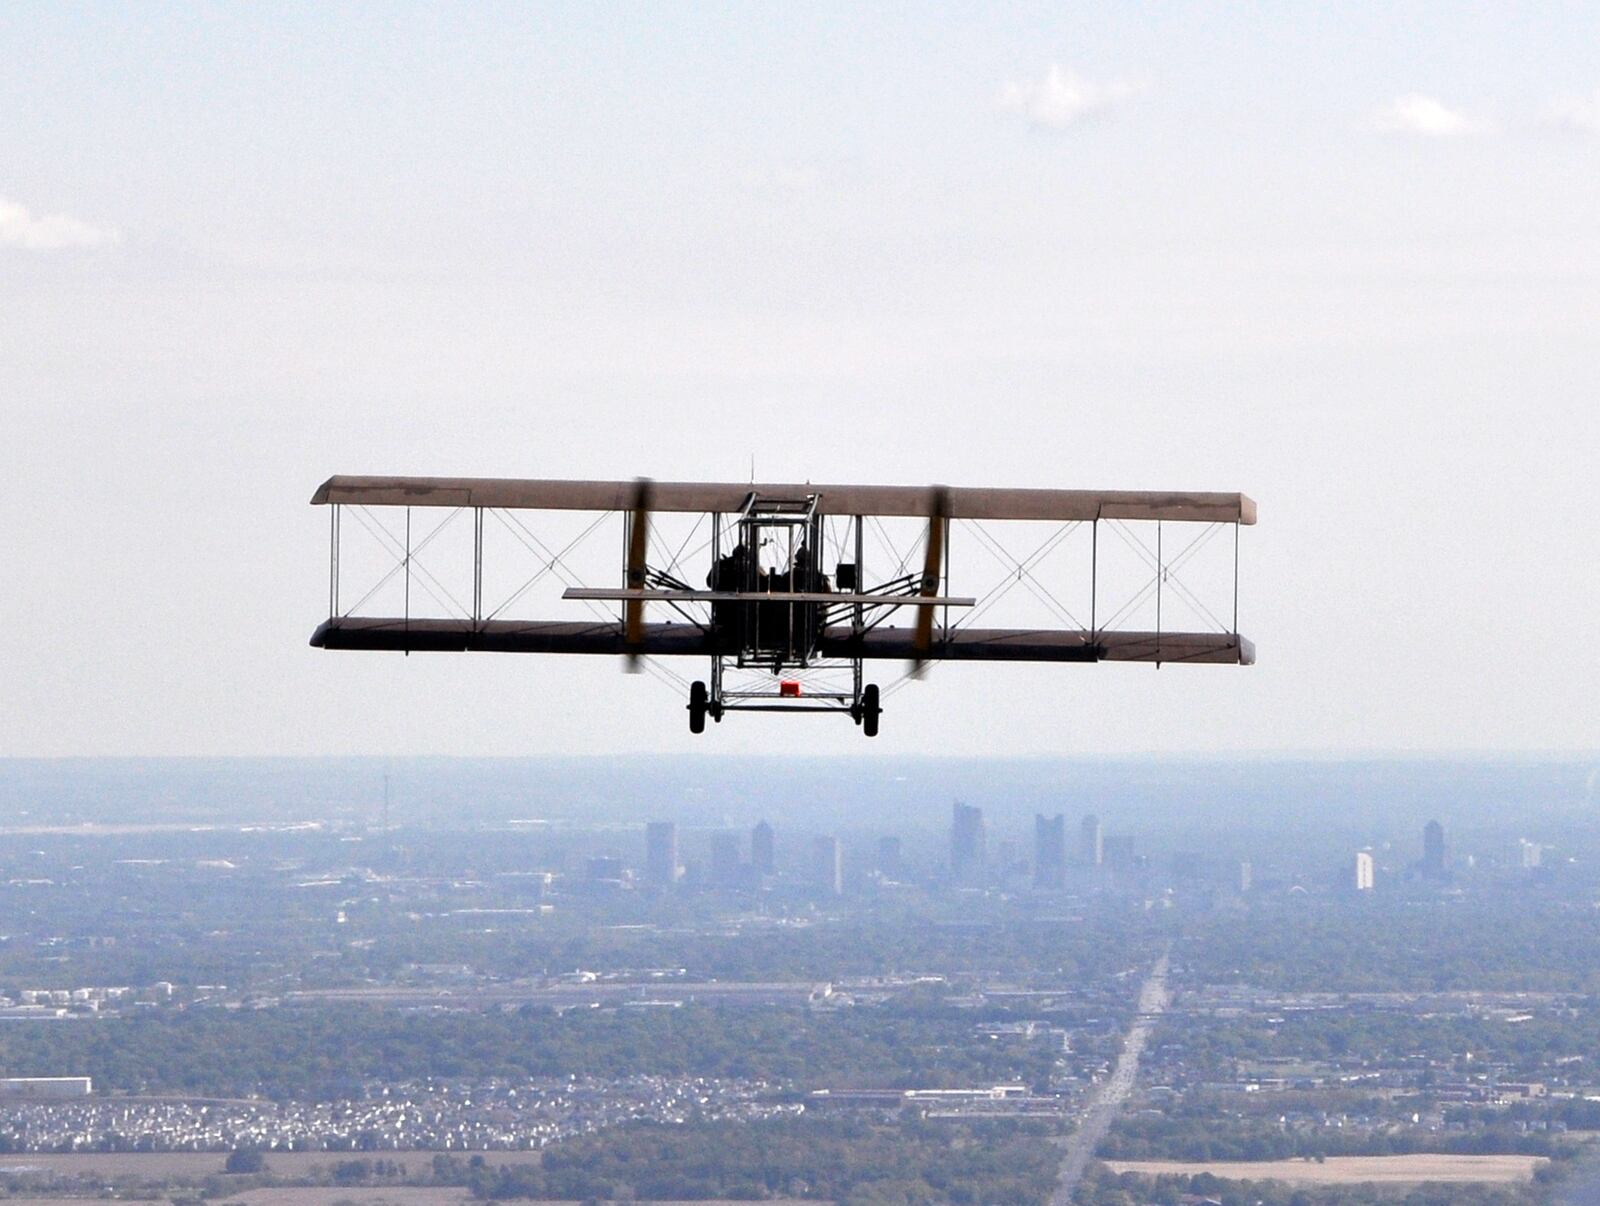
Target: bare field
<point>1349,1170</point>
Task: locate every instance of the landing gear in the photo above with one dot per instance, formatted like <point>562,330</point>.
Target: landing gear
<point>866,713</point>
<point>697,707</point>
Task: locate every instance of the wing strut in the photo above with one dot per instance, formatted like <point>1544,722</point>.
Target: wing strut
<point>933,561</point>
<point>638,545</point>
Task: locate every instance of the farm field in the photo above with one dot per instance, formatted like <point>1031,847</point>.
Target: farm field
<point>1349,1170</point>
<point>159,1168</point>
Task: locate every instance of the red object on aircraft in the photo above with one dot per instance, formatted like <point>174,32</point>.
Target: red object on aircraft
<point>789,689</point>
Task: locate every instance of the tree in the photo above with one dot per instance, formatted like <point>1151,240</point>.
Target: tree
<point>245,1160</point>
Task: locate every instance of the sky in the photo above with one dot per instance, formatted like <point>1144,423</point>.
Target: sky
<point>1345,259</point>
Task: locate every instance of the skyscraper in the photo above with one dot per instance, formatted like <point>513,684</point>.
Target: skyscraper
<point>966,842</point>
<point>1117,851</point>
<point>1245,877</point>
<point>1364,871</point>
<point>725,859</point>
<point>1049,851</point>
<point>1530,854</point>
<point>661,853</point>
<point>889,857</point>
<point>1091,844</point>
<point>762,848</point>
<point>828,864</point>
<point>1433,850</point>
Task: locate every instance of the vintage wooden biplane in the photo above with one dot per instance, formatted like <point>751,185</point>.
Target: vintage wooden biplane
<point>788,591</point>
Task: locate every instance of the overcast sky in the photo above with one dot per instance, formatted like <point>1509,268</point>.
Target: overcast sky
<point>1343,258</point>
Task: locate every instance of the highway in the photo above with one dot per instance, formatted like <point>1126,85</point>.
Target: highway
<point>1109,1098</point>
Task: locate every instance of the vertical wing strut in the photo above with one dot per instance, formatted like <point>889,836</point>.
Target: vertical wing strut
<point>932,565</point>
<point>638,550</point>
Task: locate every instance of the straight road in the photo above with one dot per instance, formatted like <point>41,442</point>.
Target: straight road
<point>1109,1098</point>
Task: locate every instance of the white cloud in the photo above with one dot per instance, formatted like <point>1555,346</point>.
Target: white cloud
<point>1576,113</point>
<point>48,232</point>
<point>1428,116</point>
<point>1062,98</point>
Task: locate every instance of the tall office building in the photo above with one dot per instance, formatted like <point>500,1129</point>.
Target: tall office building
<point>661,853</point>
<point>1433,850</point>
<point>966,843</point>
<point>1531,854</point>
<point>1049,851</point>
<point>1245,877</point>
<point>725,859</point>
<point>762,848</point>
<point>1091,842</point>
<point>889,857</point>
<point>827,856</point>
<point>1364,871</point>
<point>1117,852</point>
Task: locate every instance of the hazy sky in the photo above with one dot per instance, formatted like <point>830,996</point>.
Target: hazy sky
<point>1347,261</point>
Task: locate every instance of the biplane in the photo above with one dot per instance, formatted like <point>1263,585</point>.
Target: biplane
<point>788,591</point>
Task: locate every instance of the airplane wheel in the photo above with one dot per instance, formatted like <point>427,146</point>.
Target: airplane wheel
<point>697,707</point>
<point>870,711</point>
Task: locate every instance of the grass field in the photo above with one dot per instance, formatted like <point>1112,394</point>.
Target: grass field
<point>368,1197</point>
<point>191,1167</point>
<point>1349,1170</point>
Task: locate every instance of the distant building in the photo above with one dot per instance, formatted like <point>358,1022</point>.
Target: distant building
<point>606,868</point>
<point>1433,850</point>
<point>889,864</point>
<point>725,859</point>
<point>967,843</point>
<point>763,848</point>
<point>661,866</point>
<point>1049,851</point>
<point>1364,871</point>
<point>45,1086</point>
<point>1091,842</point>
<point>1117,852</point>
<point>1530,854</point>
<point>1245,878</point>
<point>827,857</point>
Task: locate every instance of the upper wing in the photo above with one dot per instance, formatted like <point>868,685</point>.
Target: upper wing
<point>726,497</point>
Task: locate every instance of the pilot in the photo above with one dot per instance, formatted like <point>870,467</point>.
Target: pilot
<point>807,577</point>
<point>730,572</point>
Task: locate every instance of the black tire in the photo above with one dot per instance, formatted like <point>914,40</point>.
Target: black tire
<point>697,707</point>
<point>870,710</point>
